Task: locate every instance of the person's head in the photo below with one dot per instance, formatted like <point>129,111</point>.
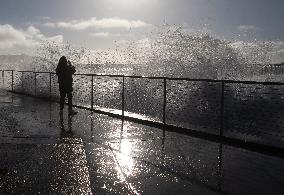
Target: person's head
<point>63,60</point>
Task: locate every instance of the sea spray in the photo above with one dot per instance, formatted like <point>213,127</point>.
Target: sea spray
<point>169,51</point>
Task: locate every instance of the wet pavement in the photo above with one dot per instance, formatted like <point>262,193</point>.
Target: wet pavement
<point>45,153</point>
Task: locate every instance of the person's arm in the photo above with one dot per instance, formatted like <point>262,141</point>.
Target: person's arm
<point>73,70</point>
<point>57,70</point>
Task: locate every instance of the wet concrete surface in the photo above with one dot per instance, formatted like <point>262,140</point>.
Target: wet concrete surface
<point>89,153</point>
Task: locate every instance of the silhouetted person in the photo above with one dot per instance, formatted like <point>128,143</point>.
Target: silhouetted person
<point>64,71</point>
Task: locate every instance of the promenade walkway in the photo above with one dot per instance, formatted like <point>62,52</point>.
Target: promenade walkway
<point>90,153</point>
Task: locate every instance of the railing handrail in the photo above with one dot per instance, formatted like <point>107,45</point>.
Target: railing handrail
<point>162,78</point>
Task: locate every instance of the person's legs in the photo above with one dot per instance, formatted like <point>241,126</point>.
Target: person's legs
<point>69,96</point>
<point>70,110</point>
<point>62,99</point>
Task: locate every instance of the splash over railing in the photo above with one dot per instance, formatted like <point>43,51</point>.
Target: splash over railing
<point>245,110</point>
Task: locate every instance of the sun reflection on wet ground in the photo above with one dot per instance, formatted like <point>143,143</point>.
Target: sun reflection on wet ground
<point>89,153</point>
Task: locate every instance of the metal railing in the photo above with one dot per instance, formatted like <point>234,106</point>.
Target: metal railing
<point>246,110</point>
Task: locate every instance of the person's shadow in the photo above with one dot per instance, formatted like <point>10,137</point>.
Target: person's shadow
<point>66,133</point>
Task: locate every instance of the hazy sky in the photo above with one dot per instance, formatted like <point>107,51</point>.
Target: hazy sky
<point>97,23</point>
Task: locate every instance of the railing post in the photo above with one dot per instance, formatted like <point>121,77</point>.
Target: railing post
<point>35,83</point>
<point>222,109</point>
<point>12,80</point>
<point>165,100</point>
<point>22,81</point>
<point>92,92</point>
<point>3,75</point>
<point>122,104</point>
<point>50,86</point>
